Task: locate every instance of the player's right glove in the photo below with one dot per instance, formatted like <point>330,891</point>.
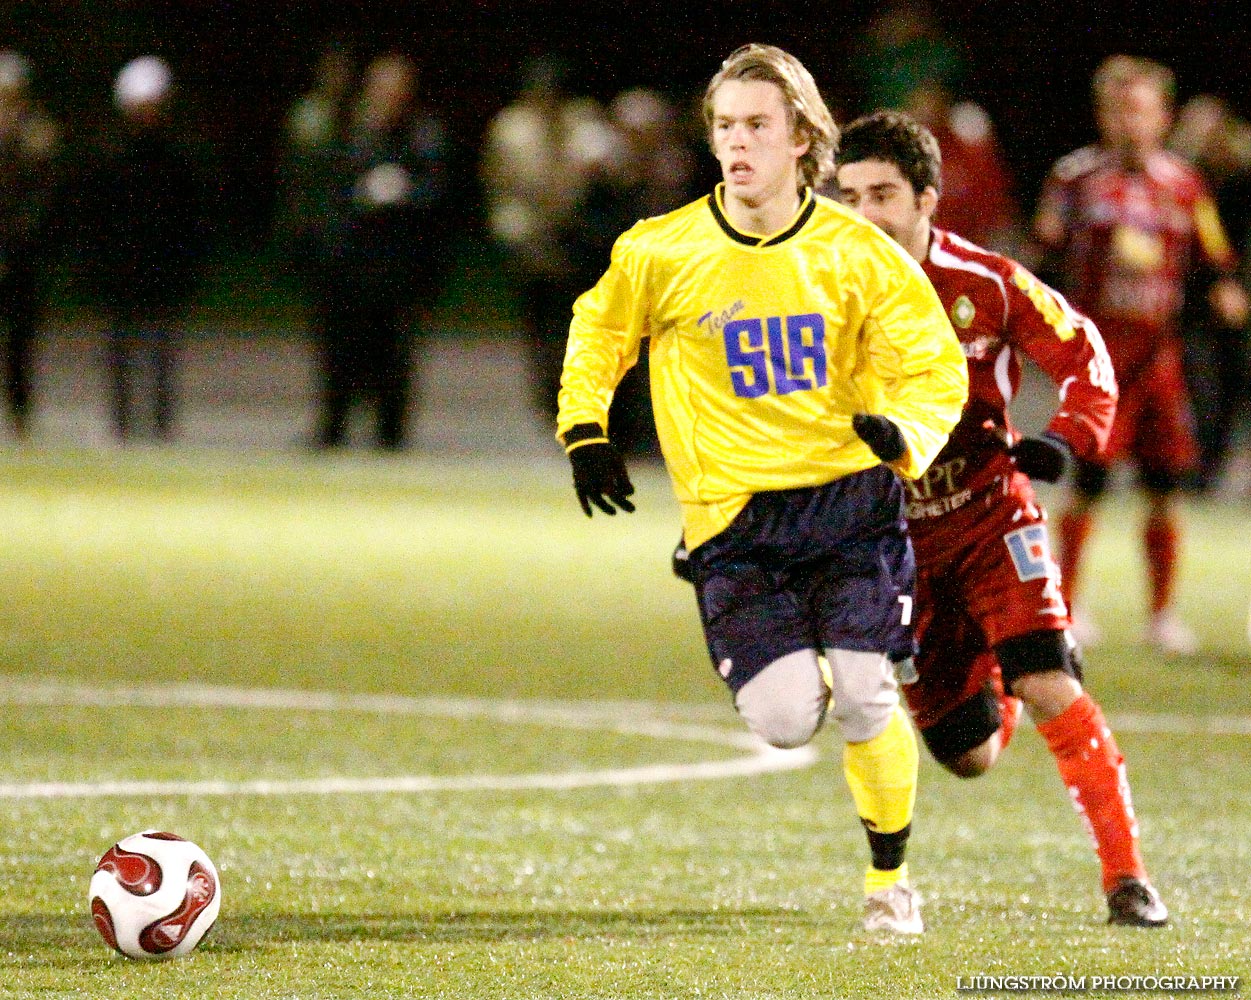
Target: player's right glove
<point>681,562</point>
<point>1044,458</point>
<point>881,434</point>
<point>599,472</point>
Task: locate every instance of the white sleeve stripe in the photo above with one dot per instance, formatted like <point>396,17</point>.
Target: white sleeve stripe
<point>1002,380</point>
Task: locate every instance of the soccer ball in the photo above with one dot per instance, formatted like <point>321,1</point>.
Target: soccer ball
<point>154,895</point>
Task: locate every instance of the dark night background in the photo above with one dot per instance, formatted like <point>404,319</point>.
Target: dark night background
<point>240,64</point>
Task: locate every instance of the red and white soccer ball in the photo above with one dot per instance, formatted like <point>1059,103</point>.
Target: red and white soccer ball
<point>154,895</point>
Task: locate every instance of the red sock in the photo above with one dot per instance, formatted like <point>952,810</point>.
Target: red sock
<point>1160,539</point>
<point>1074,530</point>
<point>1010,708</point>
<point>1093,770</point>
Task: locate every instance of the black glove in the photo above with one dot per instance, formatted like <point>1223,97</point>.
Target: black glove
<point>599,473</point>
<point>1043,458</point>
<point>881,434</point>
<point>681,562</point>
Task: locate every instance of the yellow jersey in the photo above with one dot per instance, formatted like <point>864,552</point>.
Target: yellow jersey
<point>761,349</point>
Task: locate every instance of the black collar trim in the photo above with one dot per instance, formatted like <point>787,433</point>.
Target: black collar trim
<point>806,209</point>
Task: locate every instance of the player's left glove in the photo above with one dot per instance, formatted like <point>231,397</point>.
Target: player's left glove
<point>881,434</point>
<point>599,472</point>
<point>1044,458</point>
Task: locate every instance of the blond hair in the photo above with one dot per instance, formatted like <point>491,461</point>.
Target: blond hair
<point>1120,71</point>
<point>810,119</point>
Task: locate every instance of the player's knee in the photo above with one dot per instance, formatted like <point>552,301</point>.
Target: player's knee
<point>1160,482</point>
<point>1042,652</point>
<point>965,741</point>
<point>785,726</point>
<point>1090,480</point>
<point>975,762</point>
<point>786,702</point>
<point>865,693</point>
<point>1047,695</point>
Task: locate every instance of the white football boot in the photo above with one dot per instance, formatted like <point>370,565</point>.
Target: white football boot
<point>1170,635</point>
<point>897,909</point>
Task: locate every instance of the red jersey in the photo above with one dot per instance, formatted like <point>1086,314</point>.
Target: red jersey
<point>1000,311</point>
<point>1131,238</point>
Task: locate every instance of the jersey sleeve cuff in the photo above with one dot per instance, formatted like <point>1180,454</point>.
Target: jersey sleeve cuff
<point>1080,442</point>
<point>582,434</point>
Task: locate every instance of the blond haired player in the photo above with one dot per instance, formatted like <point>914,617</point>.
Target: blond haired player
<point>799,362</point>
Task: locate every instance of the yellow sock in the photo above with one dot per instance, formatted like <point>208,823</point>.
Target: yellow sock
<point>882,775</point>
<point>827,675</point>
<point>875,879</point>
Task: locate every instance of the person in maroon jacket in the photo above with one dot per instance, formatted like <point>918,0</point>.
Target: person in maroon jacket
<point>1128,225</point>
<point>991,623</point>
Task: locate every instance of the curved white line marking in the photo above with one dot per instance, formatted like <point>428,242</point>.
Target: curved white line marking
<point>627,718</point>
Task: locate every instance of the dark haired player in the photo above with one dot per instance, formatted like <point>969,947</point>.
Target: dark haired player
<point>990,616</point>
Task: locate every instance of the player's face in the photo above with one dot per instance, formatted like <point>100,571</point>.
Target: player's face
<point>1135,117</point>
<point>882,194</point>
<point>754,142</point>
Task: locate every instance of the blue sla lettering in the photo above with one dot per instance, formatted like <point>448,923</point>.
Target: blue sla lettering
<point>793,349</point>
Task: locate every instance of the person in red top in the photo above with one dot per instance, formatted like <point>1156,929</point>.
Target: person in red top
<point>1127,224</point>
<point>991,622</point>
<point>977,197</point>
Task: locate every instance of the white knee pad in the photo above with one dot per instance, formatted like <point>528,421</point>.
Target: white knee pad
<point>865,692</point>
<point>786,702</point>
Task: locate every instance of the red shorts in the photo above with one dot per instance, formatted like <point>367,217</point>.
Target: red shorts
<point>1154,426</point>
<point>984,574</point>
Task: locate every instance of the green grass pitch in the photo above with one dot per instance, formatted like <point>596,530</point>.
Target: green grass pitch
<point>481,584</point>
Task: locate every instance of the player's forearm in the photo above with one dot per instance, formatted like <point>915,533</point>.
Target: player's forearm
<point>1085,430</point>
<point>593,366</point>
<point>1083,375</point>
<point>926,407</point>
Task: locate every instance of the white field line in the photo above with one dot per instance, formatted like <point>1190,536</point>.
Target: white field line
<point>628,718</point>
<point>1196,725</point>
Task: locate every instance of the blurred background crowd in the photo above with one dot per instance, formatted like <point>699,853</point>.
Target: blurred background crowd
<point>360,178</point>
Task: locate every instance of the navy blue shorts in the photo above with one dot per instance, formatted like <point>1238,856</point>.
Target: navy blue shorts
<point>820,567</point>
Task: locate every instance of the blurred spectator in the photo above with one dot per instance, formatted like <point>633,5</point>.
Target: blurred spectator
<point>656,167</point>
<point>977,199</point>
<point>905,61</point>
<point>901,49</point>
<point>315,124</point>
<point>140,222</point>
<point>381,250</point>
<point>547,170</point>
<point>28,143</point>
<point>1216,358</point>
<point>316,118</point>
<point>652,175</point>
